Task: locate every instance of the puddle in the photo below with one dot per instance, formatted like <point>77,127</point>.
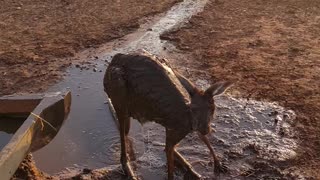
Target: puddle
<point>247,132</point>
<point>8,127</point>
<point>89,138</point>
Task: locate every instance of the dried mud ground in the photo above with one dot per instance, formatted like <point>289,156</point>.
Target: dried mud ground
<point>271,50</point>
<point>37,36</point>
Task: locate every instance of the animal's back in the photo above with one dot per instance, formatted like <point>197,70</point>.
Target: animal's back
<point>153,91</point>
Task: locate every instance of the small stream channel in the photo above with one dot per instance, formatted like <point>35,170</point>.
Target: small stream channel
<point>246,130</point>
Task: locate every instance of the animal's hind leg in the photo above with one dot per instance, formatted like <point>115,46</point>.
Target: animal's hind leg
<point>125,161</point>
<point>127,126</point>
<point>123,139</point>
<point>124,120</point>
<point>130,150</point>
<point>117,92</point>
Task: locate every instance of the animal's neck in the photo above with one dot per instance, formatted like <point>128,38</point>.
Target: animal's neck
<point>193,122</point>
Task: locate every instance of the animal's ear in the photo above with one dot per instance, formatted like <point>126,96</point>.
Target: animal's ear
<point>189,86</point>
<point>218,88</point>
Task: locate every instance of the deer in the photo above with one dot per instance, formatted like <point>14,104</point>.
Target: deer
<point>145,87</point>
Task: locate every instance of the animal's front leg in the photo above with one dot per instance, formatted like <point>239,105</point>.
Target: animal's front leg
<point>218,167</point>
<point>184,163</point>
<point>170,160</point>
<point>172,138</point>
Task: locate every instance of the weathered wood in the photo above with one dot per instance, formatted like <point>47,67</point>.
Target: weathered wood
<point>33,133</point>
<point>17,106</point>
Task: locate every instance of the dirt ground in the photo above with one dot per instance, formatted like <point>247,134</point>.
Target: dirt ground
<point>36,36</point>
<point>28,170</point>
<point>270,49</point>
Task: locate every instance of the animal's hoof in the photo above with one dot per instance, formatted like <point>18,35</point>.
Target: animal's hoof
<point>129,172</point>
<point>220,168</point>
<point>192,176</point>
<point>133,178</point>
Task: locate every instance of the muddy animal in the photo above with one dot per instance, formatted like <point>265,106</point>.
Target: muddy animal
<point>146,88</point>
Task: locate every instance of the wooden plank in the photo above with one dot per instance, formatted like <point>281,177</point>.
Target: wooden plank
<point>18,106</point>
<point>32,135</point>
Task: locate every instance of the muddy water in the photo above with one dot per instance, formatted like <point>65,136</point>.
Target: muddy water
<point>249,134</point>
<point>89,138</point>
<point>8,127</point>
<point>4,138</point>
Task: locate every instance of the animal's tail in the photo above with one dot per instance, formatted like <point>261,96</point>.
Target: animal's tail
<point>113,111</point>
